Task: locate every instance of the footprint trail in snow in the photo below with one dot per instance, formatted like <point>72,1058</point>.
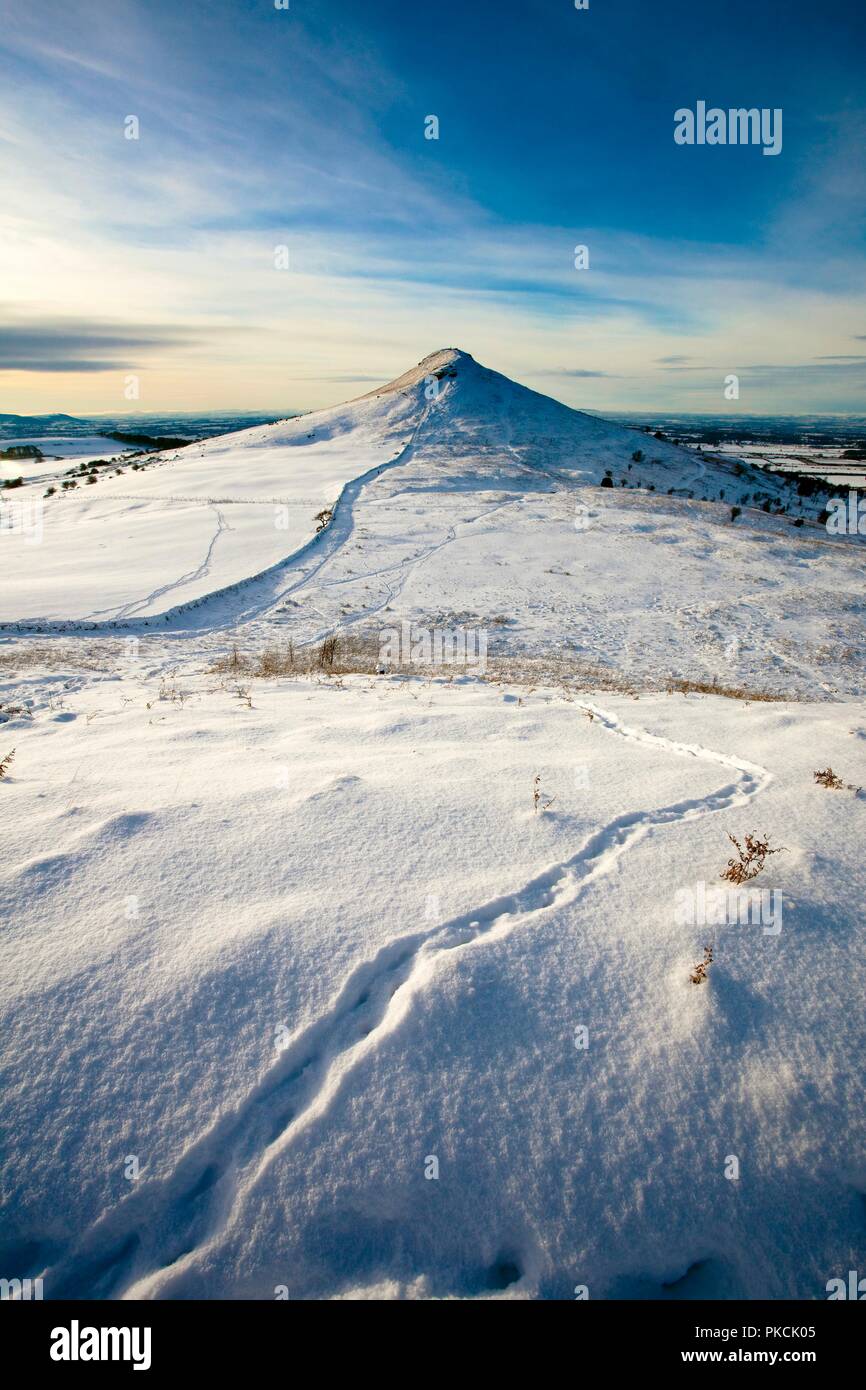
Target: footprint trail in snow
<point>144,1246</point>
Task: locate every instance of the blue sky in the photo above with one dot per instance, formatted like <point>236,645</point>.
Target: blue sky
<point>262,128</point>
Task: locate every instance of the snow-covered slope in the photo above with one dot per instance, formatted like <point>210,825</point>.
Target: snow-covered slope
<point>378,985</point>
<point>284,955</point>
<point>144,543</point>
<point>456,492</point>
<point>187,523</point>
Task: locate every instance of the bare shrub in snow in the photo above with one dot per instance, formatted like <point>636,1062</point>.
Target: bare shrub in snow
<point>750,860</point>
<point>5,763</point>
<point>537,796</point>
<point>233,664</point>
<point>699,974</point>
<point>277,661</point>
<point>328,652</point>
<point>828,778</point>
<point>171,691</point>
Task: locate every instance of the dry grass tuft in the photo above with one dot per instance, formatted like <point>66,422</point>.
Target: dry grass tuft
<point>336,655</point>
<point>828,778</point>
<point>358,653</point>
<point>537,796</point>
<point>170,690</point>
<point>751,860</point>
<point>729,692</point>
<point>699,974</point>
<point>51,656</point>
<point>277,661</point>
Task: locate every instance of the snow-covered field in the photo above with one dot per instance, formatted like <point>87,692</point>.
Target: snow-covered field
<point>378,984</point>
<point>821,462</point>
<point>59,454</point>
<point>194,521</point>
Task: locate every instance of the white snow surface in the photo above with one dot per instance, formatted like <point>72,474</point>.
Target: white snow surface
<point>306,950</point>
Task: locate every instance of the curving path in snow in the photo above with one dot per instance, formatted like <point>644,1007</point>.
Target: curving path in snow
<point>246,598</point>
<point>145,1245</point>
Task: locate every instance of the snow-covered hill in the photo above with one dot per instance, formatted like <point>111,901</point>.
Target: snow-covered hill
<point>380,984</point>
<point>455,491</point>
<point>146,542</point>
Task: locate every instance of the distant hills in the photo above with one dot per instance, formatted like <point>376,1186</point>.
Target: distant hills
<point>150,430</point>
<point>29,424</point>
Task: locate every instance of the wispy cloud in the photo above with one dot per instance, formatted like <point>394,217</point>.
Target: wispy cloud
<point>261,128</point>
<point>577,372</point>
<point>69,345</point>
